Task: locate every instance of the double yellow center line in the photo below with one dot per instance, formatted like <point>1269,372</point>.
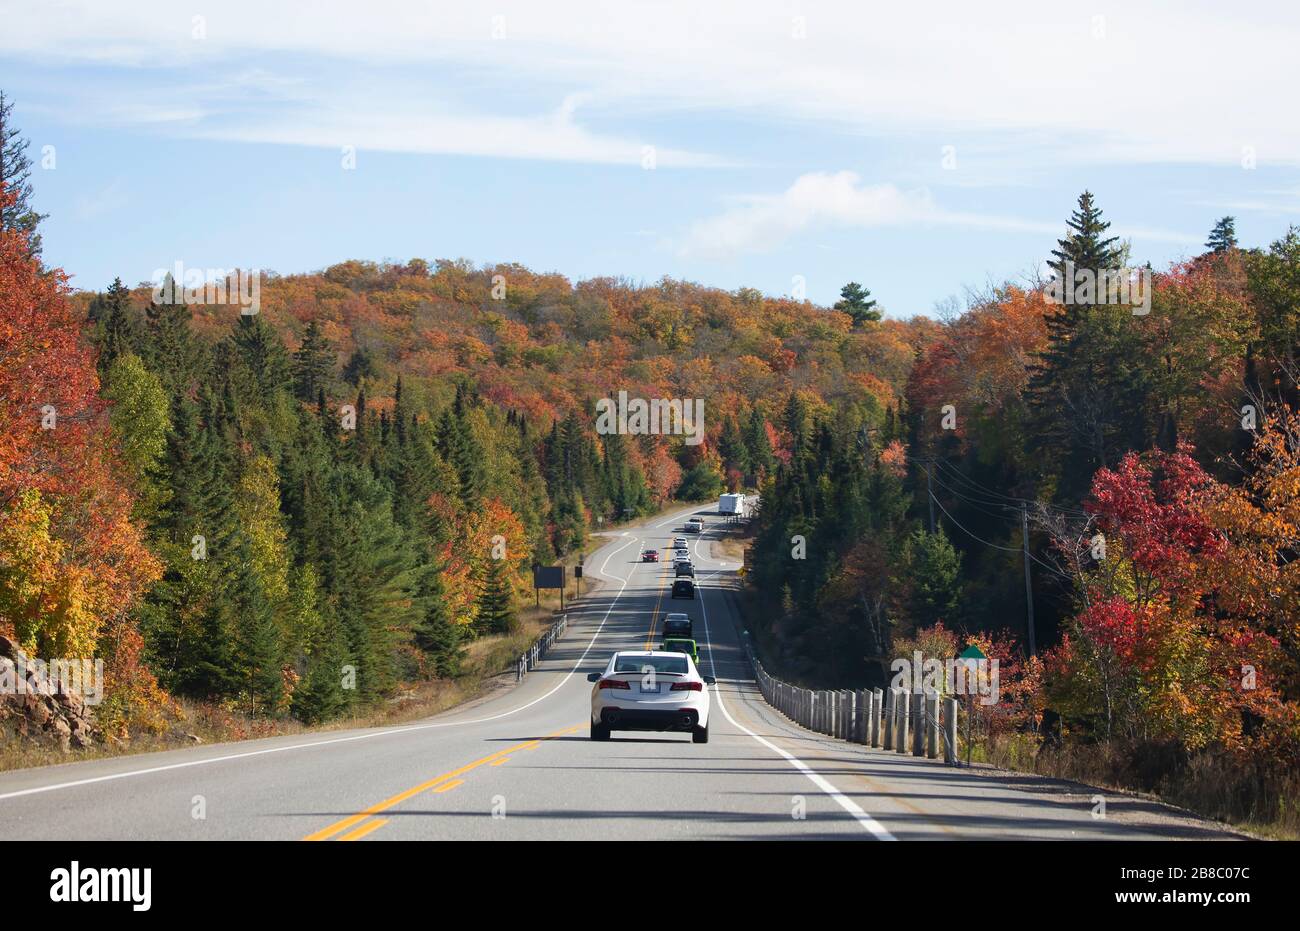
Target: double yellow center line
<point>444,783</point>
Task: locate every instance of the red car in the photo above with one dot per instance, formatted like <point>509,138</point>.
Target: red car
<point>650,556</point>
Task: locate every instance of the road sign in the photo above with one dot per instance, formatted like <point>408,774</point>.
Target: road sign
<point>548,577</point>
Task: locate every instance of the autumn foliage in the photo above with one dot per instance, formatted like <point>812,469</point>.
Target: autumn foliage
<point>72,561</point>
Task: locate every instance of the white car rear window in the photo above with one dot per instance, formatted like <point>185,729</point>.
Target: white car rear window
<point>637,664</point>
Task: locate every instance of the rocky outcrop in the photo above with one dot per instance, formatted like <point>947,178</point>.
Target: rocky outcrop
<point>31,708</point>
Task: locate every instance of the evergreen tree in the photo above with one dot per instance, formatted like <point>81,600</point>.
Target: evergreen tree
<point>15,178</point>
<point>761,457</point>
<point>313,364</point>
<point>169,345</point>
<point>732,448</point>
<point>856,301</point>
<point>115,329</point>
<point>931,576</point>
<point>496,612</point>
<point>360,365</point>
<point>1086,393</point>
<point>437,634</point>
<point>1224,235</point>
<point>263,361</point>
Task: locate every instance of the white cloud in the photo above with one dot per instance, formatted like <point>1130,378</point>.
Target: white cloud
<point>109,200</point>
<point>1147,83</point>
<point>821,200</point>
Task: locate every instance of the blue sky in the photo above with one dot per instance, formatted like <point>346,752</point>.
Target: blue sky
<point>787,140</point>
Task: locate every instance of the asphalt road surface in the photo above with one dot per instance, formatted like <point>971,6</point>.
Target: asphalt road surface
<point>519,765</point>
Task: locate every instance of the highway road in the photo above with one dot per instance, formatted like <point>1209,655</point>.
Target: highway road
<point>519,764</point>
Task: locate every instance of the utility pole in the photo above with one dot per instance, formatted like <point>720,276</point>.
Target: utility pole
<point>929,487</point>
<point>1029,588</point>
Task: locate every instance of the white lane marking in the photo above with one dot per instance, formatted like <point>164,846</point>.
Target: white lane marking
<point>338,740</point>
<point>864,819</point>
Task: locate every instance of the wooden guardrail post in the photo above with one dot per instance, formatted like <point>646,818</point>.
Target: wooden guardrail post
<point>932,724</point>
<point>950,731</point>
<point>903,710</point>
<point>918,724</point>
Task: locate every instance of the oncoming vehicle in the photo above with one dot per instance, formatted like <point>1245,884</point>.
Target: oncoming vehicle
<point>695,525</point>
<point>679,645</point>
<point>650,690</point>
<point>650,556</point>
<point>678,626</point>
<point>684,588</point>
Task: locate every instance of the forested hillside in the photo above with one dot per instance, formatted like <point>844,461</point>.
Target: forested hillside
<point>307,500</point>
<point>296,507</point>
<point>1137,469</point>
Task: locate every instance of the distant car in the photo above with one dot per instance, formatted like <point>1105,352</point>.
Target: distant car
<point>694,525</point>
<point>677,626</point>
<point>680,543</point>
<point>650,556</point>
<point>650,690</point>
<point>681,556</point>
<point>683,570</point>
<point>683,588</point>
<point>681,645</point>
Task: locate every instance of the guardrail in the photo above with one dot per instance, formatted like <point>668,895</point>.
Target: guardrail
<point>920,723</point>
<point>529,659</point>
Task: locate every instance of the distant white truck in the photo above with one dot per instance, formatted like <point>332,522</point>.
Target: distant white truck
<point>732,504</point>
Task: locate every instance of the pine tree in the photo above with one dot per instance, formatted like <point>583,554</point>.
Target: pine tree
<point>115,329</point>
<point>732,448</point>
<point>931,575</point>
<point>169,345</point>
<point>313,363</point>
<point>496,612</point>
<point>1086,392</point>
<point>761,458</point>
<point>856,301</point>
<point>262,359</point>
<point>15,178</point>
<point>436,634</point>
<point>1224,235</point>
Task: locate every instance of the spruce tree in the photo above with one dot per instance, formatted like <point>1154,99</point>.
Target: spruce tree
<point>496,612</point>
<point>1086,392</point>
<point>1224,236</point>
<point>313,364</point>
<point>15,177</point>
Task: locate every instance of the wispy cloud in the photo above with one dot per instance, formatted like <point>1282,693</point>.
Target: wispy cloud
<point>110,199</point>
<point>820,201</point>
<point>946,68</point>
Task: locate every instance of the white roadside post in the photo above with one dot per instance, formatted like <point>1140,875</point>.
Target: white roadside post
<point>918,723</point>
<point>877,715</point>
<point>950,730</point>
<point>932,724</point>
<point>904,710</point>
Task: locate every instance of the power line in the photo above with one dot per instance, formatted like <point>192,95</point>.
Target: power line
<point>1006,549</point>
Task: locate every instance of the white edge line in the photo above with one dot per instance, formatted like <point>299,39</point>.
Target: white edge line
<point>36,790</point>
<point>852,807</point>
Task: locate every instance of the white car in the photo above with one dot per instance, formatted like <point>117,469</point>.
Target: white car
<point>694,525</point>
<point>650,690</point>
<point>679,543</point>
